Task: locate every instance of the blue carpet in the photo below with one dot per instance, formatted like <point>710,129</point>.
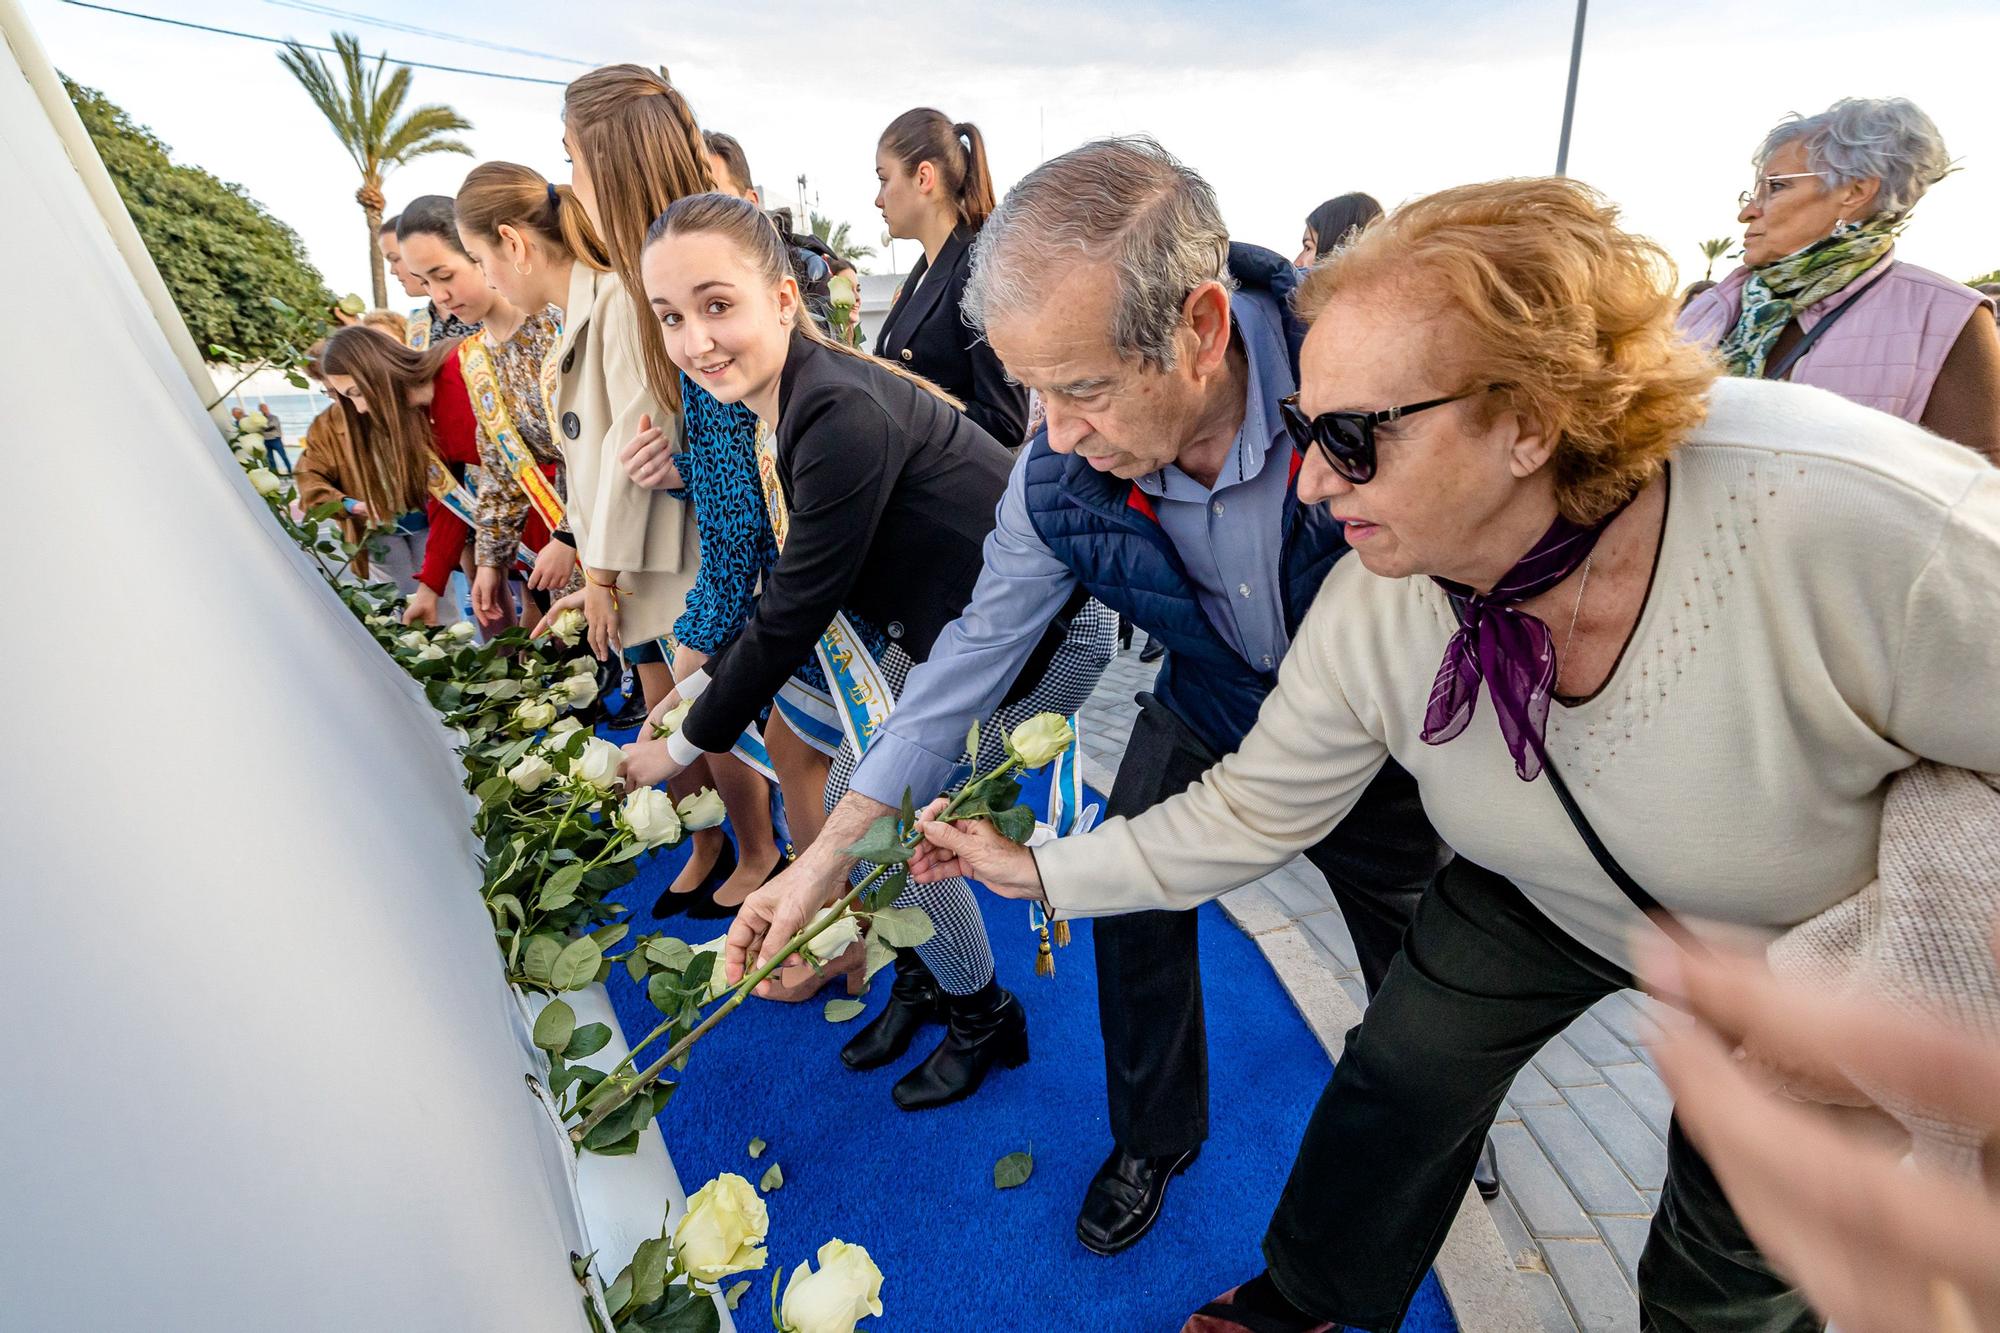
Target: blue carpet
<point>917,1189</point>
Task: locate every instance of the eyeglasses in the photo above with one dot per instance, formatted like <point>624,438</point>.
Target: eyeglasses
<point>1762,193</point>
<point>1348,438</point>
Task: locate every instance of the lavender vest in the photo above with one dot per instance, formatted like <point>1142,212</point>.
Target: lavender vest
<point>1885,353</point>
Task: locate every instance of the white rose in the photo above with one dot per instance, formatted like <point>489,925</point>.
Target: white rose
<point>722,1232</point>
<point>649,814</point>
<point>670,721</point>
<point>461,630</point>
<point>846,1290</point>
<point>598,764</point>
<point>253,423</point>
<point>533,715</point>
<point>835,939</point>
<point>414,640</point>
<point>564,727</point>
<point>265,482</point>
<point>583,666</point>
<point>576,691</point>
<point>1040,739</point>
<point>568,627</point>
<point>718,981</point>
<point>531,772</point>
<point>701,810</point>
<point>431,653</point>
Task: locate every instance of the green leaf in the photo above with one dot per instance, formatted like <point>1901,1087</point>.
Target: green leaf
<point>840,1011</point>
<point>700,969</point>
<point>736,1293</point>
<point>586,1040</point>
<point>903,927</point>
<point>554,1025</point>
<point>579,1264</point>
<point>663,991</point>
<point>619,1295</point>
<point>576,967</point>
<point>909,811</point>
<point>757,1147</point>
<point>879,955</point>
<point>539,955</point>
<point>606,936</point>
<point>972,742</point>
<point>506,904</point>
<point>882,844</point>
<point>886,890</point>
<point>649,1269</point>
<point>774,1179</point>
<point>1016,824</point>
<point>1013,1170</point>
<point>669,953</point>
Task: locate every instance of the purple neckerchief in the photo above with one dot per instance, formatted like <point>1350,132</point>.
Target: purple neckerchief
<point>1512,651</point>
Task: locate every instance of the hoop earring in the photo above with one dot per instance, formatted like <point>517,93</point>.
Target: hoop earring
<point>524,272</point>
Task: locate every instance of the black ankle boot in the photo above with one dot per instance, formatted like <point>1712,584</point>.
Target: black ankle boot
<point>914,1000</point>
<point>985,1028</point>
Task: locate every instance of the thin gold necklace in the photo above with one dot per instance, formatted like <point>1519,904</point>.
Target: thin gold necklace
<point>1577,610</point>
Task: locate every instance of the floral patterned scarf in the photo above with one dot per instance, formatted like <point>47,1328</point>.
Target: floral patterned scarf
<point>1777,291</point>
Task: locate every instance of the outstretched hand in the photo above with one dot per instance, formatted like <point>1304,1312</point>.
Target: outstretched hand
<point>973,849</point>
<point>773,913</point>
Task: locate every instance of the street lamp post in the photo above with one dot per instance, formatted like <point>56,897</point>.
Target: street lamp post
<point>1569,100</point>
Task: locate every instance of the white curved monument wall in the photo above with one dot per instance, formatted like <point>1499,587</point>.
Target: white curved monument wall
<point>263,1069</point>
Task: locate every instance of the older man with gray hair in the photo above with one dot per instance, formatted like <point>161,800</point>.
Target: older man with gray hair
<point>1164,484</point>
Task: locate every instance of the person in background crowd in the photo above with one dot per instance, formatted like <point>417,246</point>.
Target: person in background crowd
<point>429,218</point>
<point>1632,561</point>
<point>839,266</point>
<point>880,493</point>
<point>811,260</point>
<point>634,149</point>
<point>391,322</point>
<point>392,255</point>
<point>1162,484</point>
<point>1822,299</point>
<point>274,441</point>
<point>1335,223</point>
<point>504,358</point>
<point>729,165</point>
<point>936,190</point>
<point>1695,289</point>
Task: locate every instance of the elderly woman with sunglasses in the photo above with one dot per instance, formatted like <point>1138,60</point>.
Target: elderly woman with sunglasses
<point>1822,298</point>
<point>1645,638</point>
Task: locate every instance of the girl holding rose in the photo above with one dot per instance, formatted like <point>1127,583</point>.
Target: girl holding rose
<point>880,495</point>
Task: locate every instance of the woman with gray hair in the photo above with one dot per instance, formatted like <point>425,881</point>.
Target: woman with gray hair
<point>1822,298</point>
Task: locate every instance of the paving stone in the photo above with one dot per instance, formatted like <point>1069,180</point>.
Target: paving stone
<point>1539,1194</point>
<point>1652,1198</point>
<point>1531,1089</point>
<point>1643,1089</point>
<point>1521,1248</point>
<point>1625,1014</point>
<point>1597,1181</point>
<point>1627,1238</point>
<point>1562,1066</point>
<point>1624,1135</point>
<point>1591,1281</point>
<point>1300,896</point>
<point>1596,1042</point>
<point>1356,990</point>
<point>1330,930</point>
<point>1253,909</point>
<point>1553,1315</point>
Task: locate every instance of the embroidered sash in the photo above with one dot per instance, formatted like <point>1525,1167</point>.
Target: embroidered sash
<point>456,497</point>
<point>489,404</point>
<point>417,333</point>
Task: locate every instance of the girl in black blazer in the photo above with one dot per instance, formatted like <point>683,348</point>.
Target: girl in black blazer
<point>880,495</point>
<point>937,191</point>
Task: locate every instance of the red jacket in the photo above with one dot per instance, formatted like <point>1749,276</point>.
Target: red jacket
<point>455,433</point>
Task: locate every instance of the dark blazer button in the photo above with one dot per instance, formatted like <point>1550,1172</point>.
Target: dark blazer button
<point>569,361</point>
<point>571,426</point>
<point>906,354</point>
<point>895,629</point>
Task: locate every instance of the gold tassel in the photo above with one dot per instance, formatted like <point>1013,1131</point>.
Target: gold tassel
<point>1045,961</point>
<point>1061,929</point>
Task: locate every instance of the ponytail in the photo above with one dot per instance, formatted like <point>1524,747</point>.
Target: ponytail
<point>497,194</point>
<point>955,148</point>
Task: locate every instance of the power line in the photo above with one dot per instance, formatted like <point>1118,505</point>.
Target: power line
<point>281,41</point>
<point>393,25</point>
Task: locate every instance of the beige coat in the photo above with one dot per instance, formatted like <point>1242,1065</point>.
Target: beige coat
<point>600,394</point>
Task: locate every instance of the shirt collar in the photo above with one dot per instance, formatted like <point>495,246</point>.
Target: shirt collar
<point>1254,318</point>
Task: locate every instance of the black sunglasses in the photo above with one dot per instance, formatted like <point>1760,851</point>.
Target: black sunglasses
<point>1348,438</point>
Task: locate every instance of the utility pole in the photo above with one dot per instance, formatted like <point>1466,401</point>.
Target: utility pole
<point>1569,100</point>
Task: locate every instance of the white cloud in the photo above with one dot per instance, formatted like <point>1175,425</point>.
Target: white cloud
<point>1279,106</point>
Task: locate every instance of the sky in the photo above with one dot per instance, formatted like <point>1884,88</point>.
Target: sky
<point>1278,105</point>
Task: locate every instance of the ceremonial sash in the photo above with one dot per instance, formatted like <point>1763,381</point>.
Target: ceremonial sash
<point>489,404</point>
<point>452,493</point>
<point>417,333</point>
<point>1067,812</point>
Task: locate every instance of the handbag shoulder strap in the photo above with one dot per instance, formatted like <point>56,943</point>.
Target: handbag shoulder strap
<point>1783,368</point>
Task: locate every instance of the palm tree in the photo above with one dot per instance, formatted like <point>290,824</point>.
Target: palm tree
<point>363,106</point>
<point>839,239</point>
<point>1714,250</point>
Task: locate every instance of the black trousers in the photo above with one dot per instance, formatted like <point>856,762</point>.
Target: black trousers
<point>1378,863</point>
<point>1483,980</point>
